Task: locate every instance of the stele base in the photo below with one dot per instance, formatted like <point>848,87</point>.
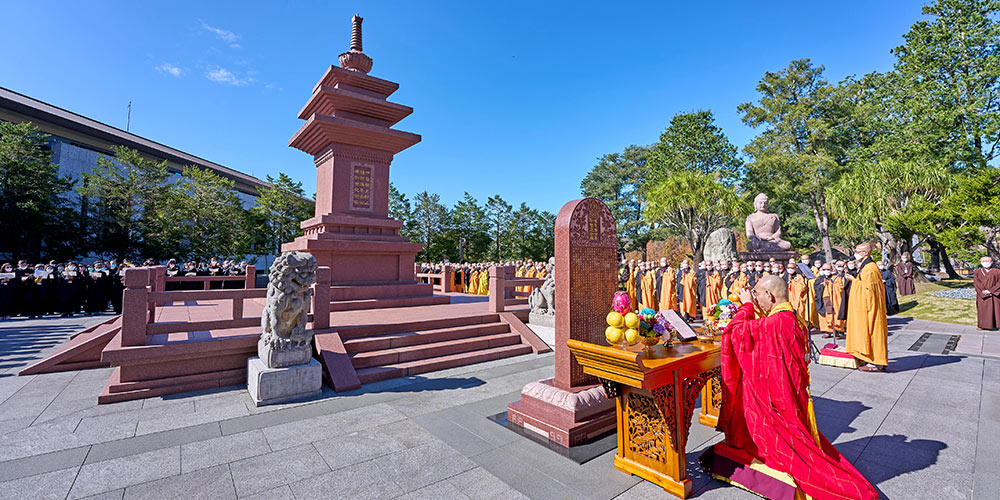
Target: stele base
<point>269,386</point>
<point>566,417</point>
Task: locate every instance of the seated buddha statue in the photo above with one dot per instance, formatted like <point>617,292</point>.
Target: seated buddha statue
<point>764,229</point>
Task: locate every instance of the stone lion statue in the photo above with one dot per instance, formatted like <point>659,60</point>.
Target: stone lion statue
<point>284,340</point>
<point>543,299</point>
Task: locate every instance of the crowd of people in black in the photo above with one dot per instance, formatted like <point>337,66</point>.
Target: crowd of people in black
<point>73,288</point>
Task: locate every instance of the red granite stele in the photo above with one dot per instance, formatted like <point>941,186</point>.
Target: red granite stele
<point>347,130</point>
<point>571,408</point>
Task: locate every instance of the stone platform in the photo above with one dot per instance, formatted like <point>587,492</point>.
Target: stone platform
<point>927,429</point>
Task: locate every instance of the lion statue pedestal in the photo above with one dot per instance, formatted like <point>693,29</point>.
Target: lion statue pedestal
<point>284,369</point>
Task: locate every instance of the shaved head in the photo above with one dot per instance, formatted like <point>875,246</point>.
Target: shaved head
<point>770,290</point>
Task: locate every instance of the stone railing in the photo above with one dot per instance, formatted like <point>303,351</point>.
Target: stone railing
<point>247,281</point>
<point>443,281</point>
<point>144,293</point>
<point>502,278</point>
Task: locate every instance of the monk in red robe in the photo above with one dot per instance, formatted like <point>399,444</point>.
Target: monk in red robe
<point>987,283</point>
<point>767,412</point>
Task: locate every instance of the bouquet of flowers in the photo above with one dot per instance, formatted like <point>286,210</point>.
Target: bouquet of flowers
<point>652,326</point>
<point>720,315</point>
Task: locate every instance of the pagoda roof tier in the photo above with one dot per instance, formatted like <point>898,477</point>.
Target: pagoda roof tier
<point>326,100</point>
<point>335,75</point>
<point>320,131</point>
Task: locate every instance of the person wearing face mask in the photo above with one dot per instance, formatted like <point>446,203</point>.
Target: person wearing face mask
<point>767,415</point>
<point>687,292</point>
<point>798,293</point>
<point>666,286</point>
<point>828,288</point>
<point>98,288</point>
<point>8,286</point>
<point>986,280</point>
<point>737,280</point>
<point>904,275</point>
<point>889,281</point>
<point>700,278</point>
<point>867,326</point>
<point>758,271</point>
<point>630,288</point>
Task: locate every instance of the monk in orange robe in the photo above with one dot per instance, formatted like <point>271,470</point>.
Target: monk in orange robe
<point>867,326</point>
<point>649,289</point>
<point>713,288</point>
<point>687,291</point>
<point>668,286</point>
<point>798,294</point>
<point>828,288</point>
<point>767,412</point>
<point>529,273</point>
<point>630,285</point>
<point>473,287</point>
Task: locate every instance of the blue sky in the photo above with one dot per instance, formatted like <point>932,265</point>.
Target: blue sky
<point>511,98</point>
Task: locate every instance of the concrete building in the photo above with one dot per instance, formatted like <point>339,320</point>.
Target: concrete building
<point>77,141</point>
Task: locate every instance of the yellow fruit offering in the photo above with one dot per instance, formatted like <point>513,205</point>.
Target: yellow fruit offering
<point>613,334</point>
<point>615,319</point>
<point>631,320</point>
<point>734,298</point>
<point>631,335</point>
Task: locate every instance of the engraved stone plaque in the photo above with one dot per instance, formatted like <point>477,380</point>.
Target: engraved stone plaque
<point>586,244</point>
<point>361,187</point>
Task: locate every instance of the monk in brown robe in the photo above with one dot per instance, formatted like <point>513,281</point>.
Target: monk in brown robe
<point>630,284</point>
<point>987,283</point>
<point>904,275</point>
<point>827,289</point>
<point>867,326</point>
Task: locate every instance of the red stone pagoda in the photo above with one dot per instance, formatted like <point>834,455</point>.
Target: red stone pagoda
<point>348,132</point>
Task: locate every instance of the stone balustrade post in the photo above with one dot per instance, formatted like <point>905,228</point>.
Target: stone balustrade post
<point>321,299</point>
<point>447,278</point>
<point>251,277</point>
<point>135,306</point>
<point>157,283</point>
<point>497,293</point>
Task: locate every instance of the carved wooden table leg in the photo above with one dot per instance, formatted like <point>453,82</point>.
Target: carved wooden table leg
<point>711,401</point>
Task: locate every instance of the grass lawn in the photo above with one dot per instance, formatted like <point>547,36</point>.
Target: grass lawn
<point>923,305</point>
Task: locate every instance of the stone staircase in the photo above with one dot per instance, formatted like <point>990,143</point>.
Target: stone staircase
<point>380,352</point>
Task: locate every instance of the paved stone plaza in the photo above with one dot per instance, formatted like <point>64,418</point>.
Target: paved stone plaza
<point>929,429</point>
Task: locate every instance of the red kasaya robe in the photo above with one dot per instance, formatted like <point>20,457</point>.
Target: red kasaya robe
<point>767,409</point>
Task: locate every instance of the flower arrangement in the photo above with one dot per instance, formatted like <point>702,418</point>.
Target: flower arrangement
<point>720,315</point>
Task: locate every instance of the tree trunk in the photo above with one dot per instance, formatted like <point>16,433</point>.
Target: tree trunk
<point>947,262</point>
<point>822,224</point>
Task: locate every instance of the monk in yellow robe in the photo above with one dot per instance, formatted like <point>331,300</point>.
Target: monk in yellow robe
<point>541,273</point>
<point>519,273</point>
<point>630,285</point>
<point>668,286</point>
<point>473,286</point>
<point>687,289</point>
<point>867,326</point>
<point>798,293</point>
<point>649,289</point>
<point>484,282</point>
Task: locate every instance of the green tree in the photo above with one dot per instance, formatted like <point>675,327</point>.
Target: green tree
<point>35,217</point>
<point>693,170</point>
<point>619,180</point>
<point>400,209</point>
<point>470,229</point>
<point>202,216</point>
<point>122,193</point>
<point>800,150</point>
<point>498,213</point>
<point>976,203</point>
<point>280,207</point>
<point>431,218</point>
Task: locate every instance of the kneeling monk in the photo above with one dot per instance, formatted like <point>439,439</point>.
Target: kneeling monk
<point>767,413</point>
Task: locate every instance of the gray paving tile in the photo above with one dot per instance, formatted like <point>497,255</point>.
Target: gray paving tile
<point>52,485</point>
<point>222,450</point>
<point>438,491</point>
<point>108,495</point>
<point>211,414</point>
<point>265,472</point>
<point>361,446</point>
<point>47,462</point>
<point>454,435</point>
<point>280,493</point>
<point>525,478</point>
<point>415,468</point>
<point>357,482</point>
<point>312,429</point>
<point>126,471</point>
<point>478,484</point>
<point>150,442</point>
<point>214,483</point>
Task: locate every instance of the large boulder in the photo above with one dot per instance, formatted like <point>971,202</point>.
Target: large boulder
<point>721,245</point>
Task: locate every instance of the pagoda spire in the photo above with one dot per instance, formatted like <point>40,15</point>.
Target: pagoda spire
<point>354,59</point>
